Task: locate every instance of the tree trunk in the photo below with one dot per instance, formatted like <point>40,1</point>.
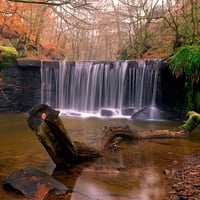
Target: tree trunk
<point>48,127</point>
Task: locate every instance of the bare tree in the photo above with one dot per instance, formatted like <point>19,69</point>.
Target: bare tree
<point>139,15</point>
<point>183,20</point>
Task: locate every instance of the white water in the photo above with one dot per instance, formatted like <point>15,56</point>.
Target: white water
<point>87,87</point>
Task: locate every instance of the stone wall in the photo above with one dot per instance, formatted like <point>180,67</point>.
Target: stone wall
<point>20,86</point>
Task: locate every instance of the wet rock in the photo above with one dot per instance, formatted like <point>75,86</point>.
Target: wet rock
<point>35,184</point>
<point>128,111</point>
<point>108,112</point>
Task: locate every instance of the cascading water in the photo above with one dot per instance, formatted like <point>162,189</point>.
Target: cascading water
<point>90,87</point>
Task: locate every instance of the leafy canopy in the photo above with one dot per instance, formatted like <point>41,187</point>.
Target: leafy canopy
<point>186,61</point>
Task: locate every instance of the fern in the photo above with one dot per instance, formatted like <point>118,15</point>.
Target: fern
<point>186,61</point>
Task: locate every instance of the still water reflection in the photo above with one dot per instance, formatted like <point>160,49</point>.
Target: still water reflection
<point>134,171</point>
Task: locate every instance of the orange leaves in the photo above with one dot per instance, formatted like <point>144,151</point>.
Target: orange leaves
<point>29,23</point>
<point>48,45</point>
<point>10,15</point>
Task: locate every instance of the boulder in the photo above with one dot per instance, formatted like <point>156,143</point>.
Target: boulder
<point>35,184</point>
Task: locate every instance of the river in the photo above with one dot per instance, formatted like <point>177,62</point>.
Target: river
<point>133,171</point>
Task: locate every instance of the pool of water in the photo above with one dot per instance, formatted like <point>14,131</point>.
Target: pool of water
<point>133,171</point>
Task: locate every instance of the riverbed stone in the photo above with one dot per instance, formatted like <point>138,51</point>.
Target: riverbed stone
<point>35,184</point>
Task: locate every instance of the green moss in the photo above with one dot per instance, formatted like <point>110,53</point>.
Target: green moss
<point>192,121</point>
<point>186,61</point>
<point>7,56</point>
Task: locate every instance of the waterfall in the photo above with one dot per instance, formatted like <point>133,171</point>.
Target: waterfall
<point>91,86</point>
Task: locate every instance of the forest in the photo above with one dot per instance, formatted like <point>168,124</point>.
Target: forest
<point>98,30</point>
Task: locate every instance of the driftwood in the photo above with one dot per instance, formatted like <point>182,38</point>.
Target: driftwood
<point>112,132</point>
<point>48,127</point>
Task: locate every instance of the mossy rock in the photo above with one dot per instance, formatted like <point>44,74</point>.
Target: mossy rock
<point>192,122</point>
<point>7,56</point>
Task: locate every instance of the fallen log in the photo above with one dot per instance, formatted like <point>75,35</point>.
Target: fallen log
<point>48,127</point>
<point>111,132</point>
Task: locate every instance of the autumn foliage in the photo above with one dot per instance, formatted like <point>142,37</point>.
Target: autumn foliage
<point>25,26</point>
<point>99,30</point>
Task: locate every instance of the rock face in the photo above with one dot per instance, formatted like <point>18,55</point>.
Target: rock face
<point>35,184</point>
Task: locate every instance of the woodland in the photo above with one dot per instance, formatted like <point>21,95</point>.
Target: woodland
<point>98,30</point>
